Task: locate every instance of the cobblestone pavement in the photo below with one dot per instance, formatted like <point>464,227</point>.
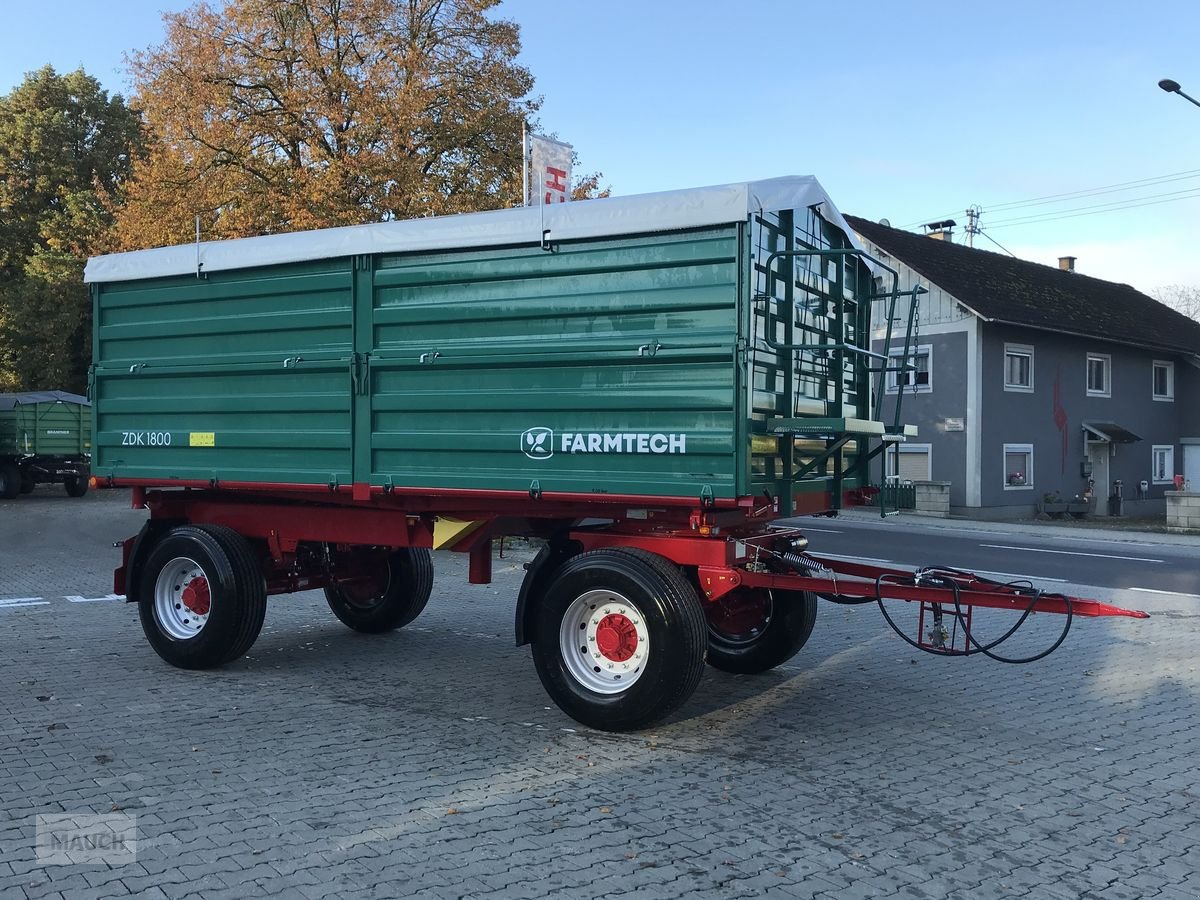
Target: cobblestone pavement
<point>428,762</point>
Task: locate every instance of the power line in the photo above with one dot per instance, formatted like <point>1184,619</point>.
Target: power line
<point>998,244</point>
<point>1095,212</point>
<point>1086,192</point>
<point>1112,204</point>
<point>1108,189</point>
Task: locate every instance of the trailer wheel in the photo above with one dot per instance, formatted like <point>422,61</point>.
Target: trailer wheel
<point>202,597</point>
<point>751,631</point>
<point>10,481</point>
<point>619,639</point>
<point>27,482</point>
<point>391,591</point>
<point>76,486</point>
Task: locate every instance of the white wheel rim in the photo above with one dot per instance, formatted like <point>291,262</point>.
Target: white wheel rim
<point>604,642</point>
<point>182,602</point>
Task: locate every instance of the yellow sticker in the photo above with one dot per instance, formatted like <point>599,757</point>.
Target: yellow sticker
<point>202,439</point>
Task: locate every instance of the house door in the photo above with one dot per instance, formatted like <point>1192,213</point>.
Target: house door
<point>1097,452</point>
<point>1191,466</point>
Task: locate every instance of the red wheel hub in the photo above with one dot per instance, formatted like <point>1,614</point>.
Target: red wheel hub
<point>195,596</point>
<point>616,637</point>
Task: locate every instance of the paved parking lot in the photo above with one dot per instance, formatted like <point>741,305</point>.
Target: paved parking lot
<point>429,762</point>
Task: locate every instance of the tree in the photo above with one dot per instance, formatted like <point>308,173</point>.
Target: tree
<point>278,115</point>
<point>1181,298</point>
<point>66,148</point>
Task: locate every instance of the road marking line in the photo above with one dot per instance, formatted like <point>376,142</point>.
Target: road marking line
<point>1072,553</point>
<point>868,559</point>
<point>78,599</point>
<point>24,601</point>
<point>1015,575</point>
<point>1167,593</point>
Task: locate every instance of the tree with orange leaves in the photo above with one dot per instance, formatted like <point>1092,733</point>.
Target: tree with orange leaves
<point>278,115</point>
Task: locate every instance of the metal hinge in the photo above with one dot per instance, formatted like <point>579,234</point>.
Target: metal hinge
<point>360,371</point>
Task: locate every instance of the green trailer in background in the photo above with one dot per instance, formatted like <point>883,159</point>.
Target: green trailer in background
<point>45,438</point>
<point>645,384</point>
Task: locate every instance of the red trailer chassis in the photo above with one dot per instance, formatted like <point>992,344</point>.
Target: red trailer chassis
<point>752,584</point>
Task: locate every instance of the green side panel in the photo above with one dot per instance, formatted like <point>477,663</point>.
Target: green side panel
<point>637,366</point>
<point>50,428</point>
<point>46,429</point>
<point>602,367</point>
<point>239,376</point>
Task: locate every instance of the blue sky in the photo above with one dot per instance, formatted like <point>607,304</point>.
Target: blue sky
<point>904,110</point>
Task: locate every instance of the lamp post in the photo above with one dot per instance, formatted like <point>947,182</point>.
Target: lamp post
<point>1172,87</point>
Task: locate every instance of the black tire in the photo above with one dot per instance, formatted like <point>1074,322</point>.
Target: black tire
<point>673,623</point>
<point>76,485</point>
<point>27,482</point>
<point>10,481</point>
<point>236,590</point>
<point>408,576</point>
<point>752,631</point>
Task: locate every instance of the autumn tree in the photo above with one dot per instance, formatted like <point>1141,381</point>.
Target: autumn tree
<point>278,115</point>
<point>66,148</point>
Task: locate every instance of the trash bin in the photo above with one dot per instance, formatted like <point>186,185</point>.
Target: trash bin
<point>1116,502</point>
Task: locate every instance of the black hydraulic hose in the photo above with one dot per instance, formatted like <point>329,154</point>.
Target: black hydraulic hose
<point>941,576</point>
<point>986,649</point>
<point>960,616</point>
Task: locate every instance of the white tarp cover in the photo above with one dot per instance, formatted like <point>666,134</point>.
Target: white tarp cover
<point>637,214</point>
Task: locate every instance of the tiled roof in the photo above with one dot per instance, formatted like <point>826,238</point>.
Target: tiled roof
<point>1004,289</point>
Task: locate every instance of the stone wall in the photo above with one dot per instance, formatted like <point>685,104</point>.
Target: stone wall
<point>1183,511</point>
<point>933,498</point>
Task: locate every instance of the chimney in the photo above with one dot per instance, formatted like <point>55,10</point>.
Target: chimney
<point>1066,263</point>
<point>940,231</point>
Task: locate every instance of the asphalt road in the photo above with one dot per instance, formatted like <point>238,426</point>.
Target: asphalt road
<point>428,762</point>
<point>1133,561</point>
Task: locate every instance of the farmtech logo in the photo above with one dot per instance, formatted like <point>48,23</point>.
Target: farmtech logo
<point>539,443</point>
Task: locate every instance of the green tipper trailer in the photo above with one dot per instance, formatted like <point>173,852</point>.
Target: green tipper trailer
<point>45,438</point>
<point>644,383</point>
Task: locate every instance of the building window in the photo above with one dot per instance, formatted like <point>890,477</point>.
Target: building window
<point>1162,464</point>
<point>915,380</point>
<point>910,462</point>
<point>1099,375</point>
<point>1018,368</point>
<point>1018,467</point>
<point>1164,380</point>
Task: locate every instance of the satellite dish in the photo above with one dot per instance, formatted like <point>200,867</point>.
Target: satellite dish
<point>885,223</point>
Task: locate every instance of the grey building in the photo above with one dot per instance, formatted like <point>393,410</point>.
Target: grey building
<point>1030,381</point>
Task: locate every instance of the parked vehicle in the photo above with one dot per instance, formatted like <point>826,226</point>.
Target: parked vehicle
<point>45,438</point>
<point>647,384</point>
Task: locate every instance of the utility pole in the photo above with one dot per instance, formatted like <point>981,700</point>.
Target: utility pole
<point>973,214</point>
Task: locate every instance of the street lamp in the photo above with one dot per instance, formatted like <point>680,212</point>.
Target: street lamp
<point>1172,87</point>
